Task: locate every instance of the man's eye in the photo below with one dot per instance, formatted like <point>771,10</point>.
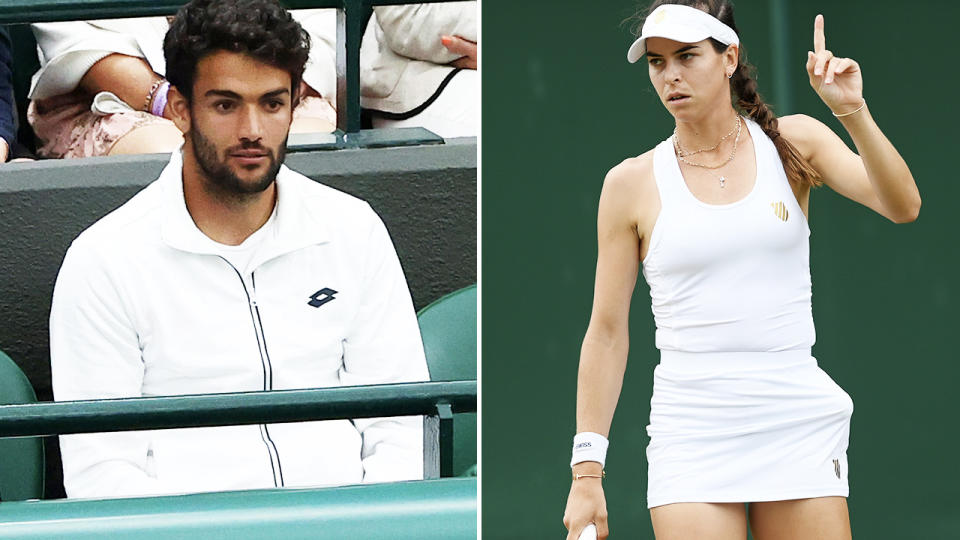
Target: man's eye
<point>274,105</point>
<point>223,106</point>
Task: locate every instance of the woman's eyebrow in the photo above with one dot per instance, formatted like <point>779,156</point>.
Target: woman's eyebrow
<point>680,50</point>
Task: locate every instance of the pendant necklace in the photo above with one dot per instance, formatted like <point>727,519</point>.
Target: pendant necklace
<point>681,153</point>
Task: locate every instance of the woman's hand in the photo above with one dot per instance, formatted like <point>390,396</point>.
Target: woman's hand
<point>836,80</point>
<point>465,48</point>
<point>586,503</point>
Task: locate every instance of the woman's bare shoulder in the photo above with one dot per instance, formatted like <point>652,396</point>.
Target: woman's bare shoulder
<point>630,191</point>
<point>631,175</point>
<point>802,131</point>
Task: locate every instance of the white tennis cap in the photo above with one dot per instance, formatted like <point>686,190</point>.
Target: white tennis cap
<point>681,23</point>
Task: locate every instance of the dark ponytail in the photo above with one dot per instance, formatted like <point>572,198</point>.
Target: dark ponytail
<point>744,88</point>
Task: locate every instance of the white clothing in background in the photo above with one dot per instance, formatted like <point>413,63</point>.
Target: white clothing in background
<point>403,64</point>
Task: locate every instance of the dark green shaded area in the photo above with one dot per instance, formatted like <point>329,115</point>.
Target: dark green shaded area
<point>562,106</point>
<point>21,469</point>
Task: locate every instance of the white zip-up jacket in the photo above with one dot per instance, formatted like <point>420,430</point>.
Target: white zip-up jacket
<point>142,307</point>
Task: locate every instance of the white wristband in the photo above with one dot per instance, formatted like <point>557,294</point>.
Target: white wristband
<point>589,446</point>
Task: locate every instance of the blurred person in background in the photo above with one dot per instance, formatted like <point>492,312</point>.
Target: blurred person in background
<point>8,130</point>
<point>10,148</point>
<point>418,67</point>
<point>102,88</point>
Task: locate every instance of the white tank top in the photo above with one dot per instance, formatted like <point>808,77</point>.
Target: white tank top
<point>730,277</point>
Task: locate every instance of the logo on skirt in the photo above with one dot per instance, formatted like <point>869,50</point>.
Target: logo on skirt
<point>836,467</point>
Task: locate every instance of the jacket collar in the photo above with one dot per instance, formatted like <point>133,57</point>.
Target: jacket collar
<point>296,226</point>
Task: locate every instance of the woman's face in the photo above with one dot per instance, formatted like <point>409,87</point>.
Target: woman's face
<point>690,78</point>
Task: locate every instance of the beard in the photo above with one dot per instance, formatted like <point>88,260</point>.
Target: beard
<point>222,179</point>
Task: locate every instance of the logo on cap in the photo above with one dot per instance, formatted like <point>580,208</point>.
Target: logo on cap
<point>660,16</point>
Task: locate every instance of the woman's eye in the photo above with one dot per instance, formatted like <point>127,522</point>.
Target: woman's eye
<point>686,56</point>
<point>655,61</point>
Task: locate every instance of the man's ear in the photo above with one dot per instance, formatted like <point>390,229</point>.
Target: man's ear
<point>298,95</point>
<point>179,109</point>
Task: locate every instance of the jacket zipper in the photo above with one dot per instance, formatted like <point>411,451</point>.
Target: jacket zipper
<point>275,466</point>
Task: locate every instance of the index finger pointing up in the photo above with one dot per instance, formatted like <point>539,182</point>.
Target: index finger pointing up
<point>819,41</point>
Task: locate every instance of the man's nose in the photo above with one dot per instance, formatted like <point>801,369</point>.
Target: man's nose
<point>251,125</point>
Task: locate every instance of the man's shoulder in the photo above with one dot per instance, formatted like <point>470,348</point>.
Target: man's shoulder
<point>336,208</point>
<point>130,222</point>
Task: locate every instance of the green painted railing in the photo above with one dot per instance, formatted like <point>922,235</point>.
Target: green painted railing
<point>277,406</point>
<point>437,401</point>
<point>350,27</point>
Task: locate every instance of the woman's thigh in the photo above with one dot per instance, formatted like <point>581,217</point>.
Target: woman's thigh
<point>148,139</point>
<point>823,518</point>
<point>704,521</point>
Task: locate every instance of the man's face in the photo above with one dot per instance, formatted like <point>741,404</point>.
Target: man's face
<point>239,120</point>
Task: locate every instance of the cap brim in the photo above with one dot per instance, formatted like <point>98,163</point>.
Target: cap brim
<point>676,32</point>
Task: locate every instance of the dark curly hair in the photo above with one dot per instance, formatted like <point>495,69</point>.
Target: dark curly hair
<point>744,88</point>
<point>262,29</point>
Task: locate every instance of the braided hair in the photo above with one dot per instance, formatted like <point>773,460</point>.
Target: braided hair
<point>744,88</point>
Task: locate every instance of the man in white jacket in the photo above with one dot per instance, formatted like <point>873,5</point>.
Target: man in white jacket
<point>229,273</point>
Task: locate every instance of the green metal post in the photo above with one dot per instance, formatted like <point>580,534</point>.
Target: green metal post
<point>780,36</point>
<point>349,34</point>
<point>445,414</point>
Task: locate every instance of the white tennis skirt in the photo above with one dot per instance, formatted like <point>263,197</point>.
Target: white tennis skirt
<point>745,427</point>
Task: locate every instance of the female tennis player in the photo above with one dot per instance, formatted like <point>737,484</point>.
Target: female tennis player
<point>716,215</point>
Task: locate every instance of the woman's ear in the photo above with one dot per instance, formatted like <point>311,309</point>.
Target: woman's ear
<point>731,59</point>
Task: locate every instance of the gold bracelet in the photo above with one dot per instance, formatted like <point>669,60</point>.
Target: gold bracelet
<point>602,475</point>
<point>864,104</point>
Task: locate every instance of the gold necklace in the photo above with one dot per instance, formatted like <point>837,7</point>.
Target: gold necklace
<point>682,152</point>
<point>723,179</point>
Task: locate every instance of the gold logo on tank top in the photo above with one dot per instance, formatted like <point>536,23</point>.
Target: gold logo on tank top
<point>780,210</point>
